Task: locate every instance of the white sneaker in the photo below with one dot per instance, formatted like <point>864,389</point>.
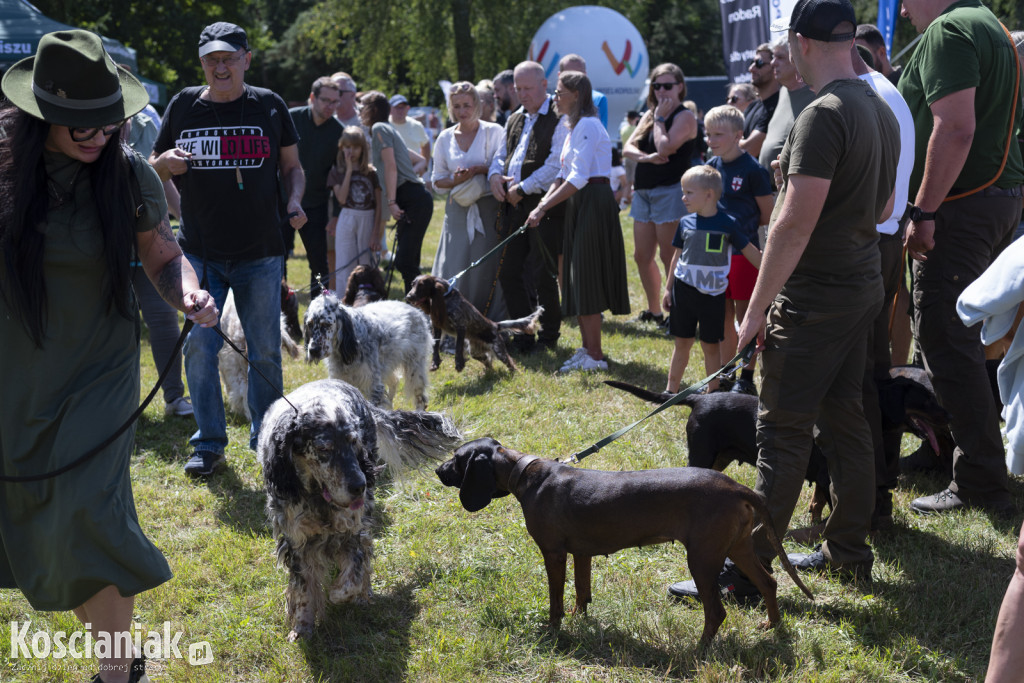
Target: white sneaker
<point>574,359</point>
<point>180,406</point>
<point>589,363</point>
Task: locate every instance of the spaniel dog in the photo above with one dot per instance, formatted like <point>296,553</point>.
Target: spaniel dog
<point>234,370</point>
<point>453,314</point>
<point>369,346</point>
<point>290,311</point>
<point>365,285</point>
<point>321,450</point>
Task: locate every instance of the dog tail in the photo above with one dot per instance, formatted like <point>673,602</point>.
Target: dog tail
<point>653,397</point>
<point>757,500</point>
<point>528,325</point>
<point>408,439</point>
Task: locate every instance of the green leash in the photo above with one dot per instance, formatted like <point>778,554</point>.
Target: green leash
<point>452,280</point>
<point>743,357</point>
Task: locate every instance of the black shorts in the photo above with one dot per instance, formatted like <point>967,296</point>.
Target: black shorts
<point>690,308</point>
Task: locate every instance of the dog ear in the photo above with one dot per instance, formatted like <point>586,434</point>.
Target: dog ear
<point>279,469</point>
<point>478,484</point>
<point>351,287</point>
<point>347,342</point>
<point>438,310</point>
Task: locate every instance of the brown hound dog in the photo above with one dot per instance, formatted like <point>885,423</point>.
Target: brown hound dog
<point>587,512</point>
<point>451,312</point>
<point>365,285</point>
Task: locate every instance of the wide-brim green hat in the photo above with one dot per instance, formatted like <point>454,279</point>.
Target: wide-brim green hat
<point>72,81</point>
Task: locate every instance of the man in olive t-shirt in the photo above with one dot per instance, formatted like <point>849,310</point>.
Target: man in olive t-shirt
<point>966,192</point>
<point>820,281</point>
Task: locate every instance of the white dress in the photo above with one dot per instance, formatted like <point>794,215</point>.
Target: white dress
<point>470,216</point>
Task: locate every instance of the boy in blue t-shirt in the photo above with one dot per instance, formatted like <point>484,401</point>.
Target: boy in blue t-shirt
<point>698,276</point>
<point>748,198</point>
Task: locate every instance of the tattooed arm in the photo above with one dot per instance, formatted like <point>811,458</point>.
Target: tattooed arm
<point>173,276</point>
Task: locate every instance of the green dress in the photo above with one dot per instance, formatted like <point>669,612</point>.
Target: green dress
<point>65,538</point>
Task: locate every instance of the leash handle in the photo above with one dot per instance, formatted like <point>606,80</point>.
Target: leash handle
<point>741,358</point>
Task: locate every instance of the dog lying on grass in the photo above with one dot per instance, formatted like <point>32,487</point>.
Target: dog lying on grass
<point>452,313</point>
<point>587,512</point>
<point>320,462</point>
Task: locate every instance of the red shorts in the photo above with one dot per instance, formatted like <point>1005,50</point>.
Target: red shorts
<point>742,276</point>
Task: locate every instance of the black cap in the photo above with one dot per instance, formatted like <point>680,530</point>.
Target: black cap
<point>222,37</point>
<point>816,19</point>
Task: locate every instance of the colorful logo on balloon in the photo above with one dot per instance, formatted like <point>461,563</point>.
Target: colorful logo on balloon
<point>620,65</point>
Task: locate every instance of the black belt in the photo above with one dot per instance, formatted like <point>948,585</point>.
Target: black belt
<point>598,180</point>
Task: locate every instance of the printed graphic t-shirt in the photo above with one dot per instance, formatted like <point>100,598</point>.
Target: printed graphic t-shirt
<point>705,258</point>
<point>220,218</point>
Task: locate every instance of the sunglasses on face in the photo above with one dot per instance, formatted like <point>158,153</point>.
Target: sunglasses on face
<point>83,134</point>
<point>759,63</point>
<point>732,99</point>
<point>663,86</point>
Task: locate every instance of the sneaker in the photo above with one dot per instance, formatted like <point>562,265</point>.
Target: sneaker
<point>943,501</point>
<point>181,406</point>
<point>574,359</point>
<point>137,672</point>
<point>730,582</point>
<point>584,362</point>
<point>204,463</point>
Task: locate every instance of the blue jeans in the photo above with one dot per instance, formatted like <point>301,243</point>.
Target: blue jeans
<point>257,287</point>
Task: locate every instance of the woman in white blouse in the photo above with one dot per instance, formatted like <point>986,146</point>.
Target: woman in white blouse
<point>462,156</point>
<point>595,258</point>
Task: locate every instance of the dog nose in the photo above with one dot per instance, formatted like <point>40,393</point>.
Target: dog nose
<point>356,489</point>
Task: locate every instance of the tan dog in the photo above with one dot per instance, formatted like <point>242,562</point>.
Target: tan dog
<point>588,512</point>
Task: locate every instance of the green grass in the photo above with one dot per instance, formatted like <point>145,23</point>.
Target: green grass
<point>463,597</point>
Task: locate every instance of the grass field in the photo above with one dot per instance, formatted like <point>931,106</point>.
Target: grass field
<point>463,597</point>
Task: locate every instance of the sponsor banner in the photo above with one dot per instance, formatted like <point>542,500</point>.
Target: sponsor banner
<point>744,27</point>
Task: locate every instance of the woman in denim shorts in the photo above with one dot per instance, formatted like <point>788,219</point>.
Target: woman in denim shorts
<point>662,145</point>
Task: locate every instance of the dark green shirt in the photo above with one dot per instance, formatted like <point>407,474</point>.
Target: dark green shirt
<point>318,150</point>
<point>965,47</point>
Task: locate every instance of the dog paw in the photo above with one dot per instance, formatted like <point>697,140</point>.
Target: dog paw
<point>298,634</point>
<point>434,366</point>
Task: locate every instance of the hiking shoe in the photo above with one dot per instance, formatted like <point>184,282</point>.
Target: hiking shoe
<point>817,562</point>
<point>204,463</point>
<point>943,501</point>
<point>181,406</point>
<point>730,582</point>
<point>743,386</point>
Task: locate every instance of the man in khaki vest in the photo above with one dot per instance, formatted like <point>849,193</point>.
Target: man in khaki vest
<point>526,164</point>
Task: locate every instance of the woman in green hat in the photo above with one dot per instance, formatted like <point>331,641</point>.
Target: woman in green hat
<point>69,334</point>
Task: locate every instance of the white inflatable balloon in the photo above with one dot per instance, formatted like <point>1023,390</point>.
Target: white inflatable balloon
<point>616,55</point>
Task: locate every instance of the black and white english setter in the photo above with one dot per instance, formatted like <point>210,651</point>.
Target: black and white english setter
<point>320,462</point>
<point>370,346</point>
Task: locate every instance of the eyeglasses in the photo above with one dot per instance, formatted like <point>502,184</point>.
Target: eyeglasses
<point>560,93</point>
<point>663,86</point>
<point>330,104</point>
<point>223,61</point>
<point>732,99</point>
<point>83,134</point>
<point>759,63</point>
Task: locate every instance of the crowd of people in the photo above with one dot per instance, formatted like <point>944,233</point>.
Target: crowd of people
<point>777,217</point>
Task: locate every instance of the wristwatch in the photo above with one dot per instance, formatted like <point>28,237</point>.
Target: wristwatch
<point>519,191</point>
<point>917,215</point>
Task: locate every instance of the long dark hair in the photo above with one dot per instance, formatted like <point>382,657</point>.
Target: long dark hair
<point>23,185</point>
<point>647,122</point>
<point>578,82</point>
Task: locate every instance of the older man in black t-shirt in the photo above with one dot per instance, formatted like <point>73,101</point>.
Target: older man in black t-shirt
<point>224,144</point>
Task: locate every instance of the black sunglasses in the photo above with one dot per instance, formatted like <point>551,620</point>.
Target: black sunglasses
<point>732,99</point>
<point>83,134</point>
<point>759,63</point>
<point>663,86</point>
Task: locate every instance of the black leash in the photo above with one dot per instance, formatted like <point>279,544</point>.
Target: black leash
<point>394,258</point>
<point>373,262</point>
<point>741,358</point>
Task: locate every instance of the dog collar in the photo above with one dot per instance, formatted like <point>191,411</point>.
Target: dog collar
<point>517,471</point>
